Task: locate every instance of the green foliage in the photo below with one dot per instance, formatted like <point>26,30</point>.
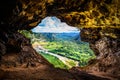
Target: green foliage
<point>72,63</point>
<point>54,60</point>
<point>32,36</point>
<point>77,51</point>
<point>26,33</point>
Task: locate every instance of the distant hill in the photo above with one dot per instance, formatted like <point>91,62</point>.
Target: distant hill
<point>51,28</point>
<point>73,36</point>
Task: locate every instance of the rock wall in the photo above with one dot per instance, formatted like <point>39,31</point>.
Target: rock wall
<point>87,13</point>
<point>106,45</point>
<point>21,14</point>
<point>99,21</point>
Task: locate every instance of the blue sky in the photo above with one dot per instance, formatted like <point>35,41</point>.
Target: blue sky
<point>53,25</point>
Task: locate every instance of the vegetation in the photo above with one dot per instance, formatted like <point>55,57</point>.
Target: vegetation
<point>55,61</point>
<point>77,51</point>
<point>26,33</point>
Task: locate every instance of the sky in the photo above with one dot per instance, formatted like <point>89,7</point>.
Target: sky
<point>54,25</point>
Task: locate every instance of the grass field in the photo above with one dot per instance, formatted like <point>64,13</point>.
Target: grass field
<point>55,61</point>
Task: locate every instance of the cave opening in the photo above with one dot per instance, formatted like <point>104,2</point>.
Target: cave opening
<point>59,43</point>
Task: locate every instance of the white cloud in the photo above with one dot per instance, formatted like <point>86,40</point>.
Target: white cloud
<point>53,25</point>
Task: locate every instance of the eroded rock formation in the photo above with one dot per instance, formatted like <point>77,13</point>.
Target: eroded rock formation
<point>99,21</point>
<point>105,44</point>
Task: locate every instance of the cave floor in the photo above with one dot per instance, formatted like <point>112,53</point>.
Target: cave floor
<point>45,72</point>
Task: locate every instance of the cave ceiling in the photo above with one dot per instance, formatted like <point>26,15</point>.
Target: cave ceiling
<point>26,14</point>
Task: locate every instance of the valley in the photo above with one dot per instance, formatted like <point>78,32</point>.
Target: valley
<point>62,50</point>
<point>65,60</point>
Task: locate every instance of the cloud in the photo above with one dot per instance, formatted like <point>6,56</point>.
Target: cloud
<point>53,25</point>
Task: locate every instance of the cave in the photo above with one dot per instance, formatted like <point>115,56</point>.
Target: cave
<point>99,22</point>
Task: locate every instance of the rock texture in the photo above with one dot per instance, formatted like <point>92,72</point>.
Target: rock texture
<point>106,45</point>
<point>99,21</point>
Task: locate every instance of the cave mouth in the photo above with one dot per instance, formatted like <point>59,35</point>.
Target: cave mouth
<point>59,43</point>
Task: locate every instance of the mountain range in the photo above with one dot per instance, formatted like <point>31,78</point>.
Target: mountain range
<point>61,36</point>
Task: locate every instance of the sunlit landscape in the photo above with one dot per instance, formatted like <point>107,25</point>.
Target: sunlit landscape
<point>60,46</point>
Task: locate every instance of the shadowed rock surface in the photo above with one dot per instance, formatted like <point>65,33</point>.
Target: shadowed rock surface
<point>99,21</point>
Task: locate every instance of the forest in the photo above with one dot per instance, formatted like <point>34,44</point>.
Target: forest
<point>75,50</point>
